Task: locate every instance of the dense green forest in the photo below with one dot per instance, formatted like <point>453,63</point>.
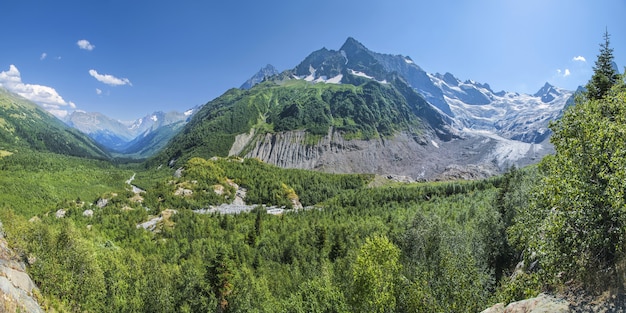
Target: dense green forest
<point>405,247</point>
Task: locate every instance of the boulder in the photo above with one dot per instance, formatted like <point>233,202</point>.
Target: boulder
<point>60,213</point>
<point>102,203</point>
<point>543,303</point>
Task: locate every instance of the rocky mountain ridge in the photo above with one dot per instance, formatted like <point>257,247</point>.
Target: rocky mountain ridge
<point>493,130</point>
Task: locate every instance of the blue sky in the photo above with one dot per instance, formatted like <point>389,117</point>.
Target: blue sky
<point>129,58</point>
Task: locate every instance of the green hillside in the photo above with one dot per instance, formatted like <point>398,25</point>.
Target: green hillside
<point>24,125</point>
<point>364,109</point>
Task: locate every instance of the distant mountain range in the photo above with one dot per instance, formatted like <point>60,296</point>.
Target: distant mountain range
<point>354,110</point>
<point>139,138</point>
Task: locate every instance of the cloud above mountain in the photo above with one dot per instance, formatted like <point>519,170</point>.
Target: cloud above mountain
<point>85,45</point>
<point>45,96</point>
<point>579,58</point>
<point>109,79</point>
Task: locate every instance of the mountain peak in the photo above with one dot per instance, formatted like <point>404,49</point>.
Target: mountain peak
<point>450,79</point>
<point>544,90</point>
<point>547,93</point>
<point>352,44</point>
<point>265,72</point>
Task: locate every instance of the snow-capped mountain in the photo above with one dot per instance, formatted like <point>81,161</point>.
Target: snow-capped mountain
<point>120,136</point>
<point>157,119</point>
<point>470,105</point>
<point>109,132</point>
<point>492,128</point>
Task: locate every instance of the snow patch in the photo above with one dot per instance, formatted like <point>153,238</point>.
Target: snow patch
<point>154,118</point>
<point>136,124</point>
<point>408,61</point>
<point>336,79</point>
<point>360,74</point>
<point>311,76</point>
<point>435,144</point>
<point>343,53</point>
<point>188,112</point>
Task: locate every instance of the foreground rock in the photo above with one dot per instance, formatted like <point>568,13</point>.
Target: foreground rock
<point>16,287</point>
<point>540,304</point>
<point>572,301</point>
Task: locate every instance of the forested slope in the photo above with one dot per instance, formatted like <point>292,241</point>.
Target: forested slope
<point>24,125</point>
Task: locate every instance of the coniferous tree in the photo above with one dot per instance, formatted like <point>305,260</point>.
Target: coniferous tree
<point>604,75</point>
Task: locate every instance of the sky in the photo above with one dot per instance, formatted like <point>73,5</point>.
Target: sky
<point>126,59</point>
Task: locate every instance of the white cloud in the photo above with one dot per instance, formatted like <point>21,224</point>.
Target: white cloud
<point>45,96</point>
<point>579,58</point>
<point>58,112</point>
<point>43,56</point>
<point>563,73</point>
<point>98,91</point>
<point>85,45</point>
<point>109,79</point>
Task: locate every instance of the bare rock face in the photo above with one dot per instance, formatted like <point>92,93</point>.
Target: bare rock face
<point>419,158</point>
<point>16,287</point>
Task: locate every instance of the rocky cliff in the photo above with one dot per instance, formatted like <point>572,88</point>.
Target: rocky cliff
<point>17,290</point>
<point>473,157</point>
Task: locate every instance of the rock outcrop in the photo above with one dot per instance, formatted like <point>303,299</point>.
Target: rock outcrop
<point>572,301</point>
<point>541,304</point>
<point>16,287</point>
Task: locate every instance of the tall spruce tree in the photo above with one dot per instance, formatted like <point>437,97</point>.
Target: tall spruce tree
<point>604,74</point>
